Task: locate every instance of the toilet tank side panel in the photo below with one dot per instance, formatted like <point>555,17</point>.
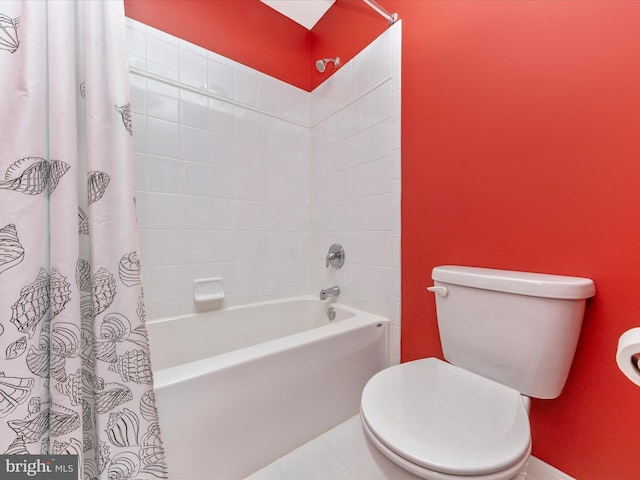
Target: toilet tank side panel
<point>524,342</point>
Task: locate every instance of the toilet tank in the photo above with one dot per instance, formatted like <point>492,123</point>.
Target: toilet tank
<point>520,329</point>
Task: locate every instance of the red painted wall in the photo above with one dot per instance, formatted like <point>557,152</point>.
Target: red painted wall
<point>347,28</point>
<point>520,150</point>
<point>247,31</point>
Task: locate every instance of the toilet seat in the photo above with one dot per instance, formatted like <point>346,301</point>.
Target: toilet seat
<point>439,421</point>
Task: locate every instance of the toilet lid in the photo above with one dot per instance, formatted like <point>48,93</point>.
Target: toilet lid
<point>446,419</point>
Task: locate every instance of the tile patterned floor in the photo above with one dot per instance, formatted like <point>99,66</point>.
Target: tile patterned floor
<point>343,453</point>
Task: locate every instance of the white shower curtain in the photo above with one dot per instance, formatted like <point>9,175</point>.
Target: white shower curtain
<point>75,374</point>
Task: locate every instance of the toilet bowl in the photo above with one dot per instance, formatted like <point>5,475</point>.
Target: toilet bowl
<point>441,422</point>
<point>505,336</point>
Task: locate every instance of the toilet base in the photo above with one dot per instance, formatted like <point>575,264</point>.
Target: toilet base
<point>511,473</point>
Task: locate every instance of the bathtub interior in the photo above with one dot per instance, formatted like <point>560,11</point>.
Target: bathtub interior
<point>180,340</point>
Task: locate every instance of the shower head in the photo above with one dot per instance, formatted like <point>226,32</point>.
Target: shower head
<point>321,64</point>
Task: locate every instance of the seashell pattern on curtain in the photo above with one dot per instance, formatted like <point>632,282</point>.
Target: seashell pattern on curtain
<point>75,376</point>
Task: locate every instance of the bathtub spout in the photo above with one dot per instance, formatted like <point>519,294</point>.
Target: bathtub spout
<point>329,292</point>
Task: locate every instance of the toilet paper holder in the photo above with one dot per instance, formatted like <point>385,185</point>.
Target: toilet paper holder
<point>628,354</point>
<point>635,362</point>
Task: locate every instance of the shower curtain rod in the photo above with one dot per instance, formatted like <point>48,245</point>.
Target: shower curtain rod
<point>391,17</point>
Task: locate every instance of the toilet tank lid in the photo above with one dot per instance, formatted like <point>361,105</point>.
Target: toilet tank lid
<point>521,283</point>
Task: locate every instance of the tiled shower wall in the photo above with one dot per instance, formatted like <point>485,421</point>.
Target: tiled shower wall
<point>242,176</point>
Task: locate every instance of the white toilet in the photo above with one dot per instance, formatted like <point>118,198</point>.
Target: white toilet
<point>507,336</point>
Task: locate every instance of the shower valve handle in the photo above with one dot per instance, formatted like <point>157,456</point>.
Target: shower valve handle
<point>335,257</point>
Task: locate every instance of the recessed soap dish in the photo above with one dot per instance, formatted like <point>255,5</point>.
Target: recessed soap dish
<point>207,289</point>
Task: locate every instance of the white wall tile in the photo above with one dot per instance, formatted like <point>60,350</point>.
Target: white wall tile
<point>163,138</point>
<point>396,81</point>
<point>224,149</point>
<point>395,135</point>
<point>166,283</point>
<point>140,172</point>
<point>344,84</point>
<point>251,276</point>
<point>303,107</point>
<point>361,72</point>
<point>361,113</point>
<point>363,220</point>
<point>254,179</point>
<point>375,248</point>
<point>138,94</point>
<point>332,217</point>
<point>222,213</point>
<point>286,102</point>
<point>256,186</point>
<point>162,58</point>
<point>372,282</point>
<point>382,102</point>
<point>335,158</point>
<point>266,131</point>
<point>137,48</point>
<point>381,57</point>
<point>292,190</point>
<point>396,280</point>
<point>151,210</point>
<point>292,164</point>
<point>250,155</point>
<point>360,147</point>
<point>163,173</point>
<point>255,216</point>
<point>292,245</point>
<point>220,78</point>
<point>135,25</point>
<point>396,164</point>
<point>245,86</point>
<point>195,179</point>
<point>395,104</point>
<point>221,116</point>
<point>267,89</point>
<point>245,124</point>
<point>396,190</point>
<point>163,101</point>
<point>194,144</point>
<point>302,139</point>
<point>155,244</point>
<point>187,212</point>
<point>292,218</point>
<point>253,245</point>
<point>139,124</point>
<point>345,126</point>
<point>193,69</point>
<point>381,139</point>
<point>360,203</point>
<point>194,109</point>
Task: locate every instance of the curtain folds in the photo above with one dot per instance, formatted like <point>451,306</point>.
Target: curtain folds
<point>75,372</point>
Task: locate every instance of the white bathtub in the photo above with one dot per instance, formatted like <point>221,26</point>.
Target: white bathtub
<point>239,388</point>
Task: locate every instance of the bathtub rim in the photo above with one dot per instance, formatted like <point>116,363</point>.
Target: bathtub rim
<point>197,368</point>
<point>329,302</point>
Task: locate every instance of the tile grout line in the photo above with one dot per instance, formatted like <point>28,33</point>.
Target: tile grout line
<point>195,90</point>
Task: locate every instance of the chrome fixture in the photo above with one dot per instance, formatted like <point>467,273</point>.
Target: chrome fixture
<point>391,17</point>
<point>331,314</point>
<point>321,64</point>
<point>335,257</point>
<point>329,292</point>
